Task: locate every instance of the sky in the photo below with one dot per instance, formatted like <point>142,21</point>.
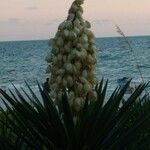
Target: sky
<point>39,19</point>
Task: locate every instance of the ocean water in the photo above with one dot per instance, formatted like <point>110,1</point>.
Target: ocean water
<point>25,61</point>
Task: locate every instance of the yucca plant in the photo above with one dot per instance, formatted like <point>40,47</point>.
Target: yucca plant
<point>100,125</point>
<point>72,59</point>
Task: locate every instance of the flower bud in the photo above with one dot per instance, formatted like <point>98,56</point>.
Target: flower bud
<point>68,67</point>
<point>79,2</point>
<point>78,104</point>
<point>59,57</point>
<point>64,58</point>
<point>84,54</point>
<point>79,14</point>
<point>66,33</point>
<point>67,47</point>
<point>79,46</point>
<point>59,79</point>
<point>90,35</point>
<point>85,46</point>
<point>71,97</point>
<point>61,72</point>
<point>54,59</point>
<point>92,96</point>
<point>87,24</point>
<point>55,50</point>
<point>83,39</point>
<point>48,58</point>
<point>75,70</point>
<point>53,94</point>
<point>78,65</point>
<point>83,80</point>
<point>60,42</point>
<point>77,23</point>
<point>81,9</point>
<point>48,70</point>
<point>76,30</point>
<point>79,87</point>
<point>86,88</point>
<point>59,96</point>
<point>72,35</point>
<point>51,42</point>
<point>68,25</point>
<point>69,81</point>
<point>86,30</point>
<point>71,16</point>
<point>90,59</point>
<point>64,83</point>
<point>84,74</point>
<point>61,26</point>
<point>54,87</point>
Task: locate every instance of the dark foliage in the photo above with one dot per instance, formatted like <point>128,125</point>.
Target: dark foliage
<point>32,124</point>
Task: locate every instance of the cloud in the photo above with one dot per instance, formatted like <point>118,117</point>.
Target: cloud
<point>102,21</point>
<point>54,21</point>
<point>10,21</point>
<point>32,8</point>
<point>14,20</point>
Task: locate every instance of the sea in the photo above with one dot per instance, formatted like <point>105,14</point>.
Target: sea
<point>22,61</point>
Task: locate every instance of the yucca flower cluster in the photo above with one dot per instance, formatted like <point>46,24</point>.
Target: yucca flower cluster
<point>72,59</point>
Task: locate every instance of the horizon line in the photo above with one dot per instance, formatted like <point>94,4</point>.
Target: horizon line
<point>101,37</point>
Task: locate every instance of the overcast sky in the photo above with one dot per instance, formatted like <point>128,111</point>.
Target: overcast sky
<point>39,19</point>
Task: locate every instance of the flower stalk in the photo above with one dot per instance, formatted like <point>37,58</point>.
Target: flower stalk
<point>71,62</point>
